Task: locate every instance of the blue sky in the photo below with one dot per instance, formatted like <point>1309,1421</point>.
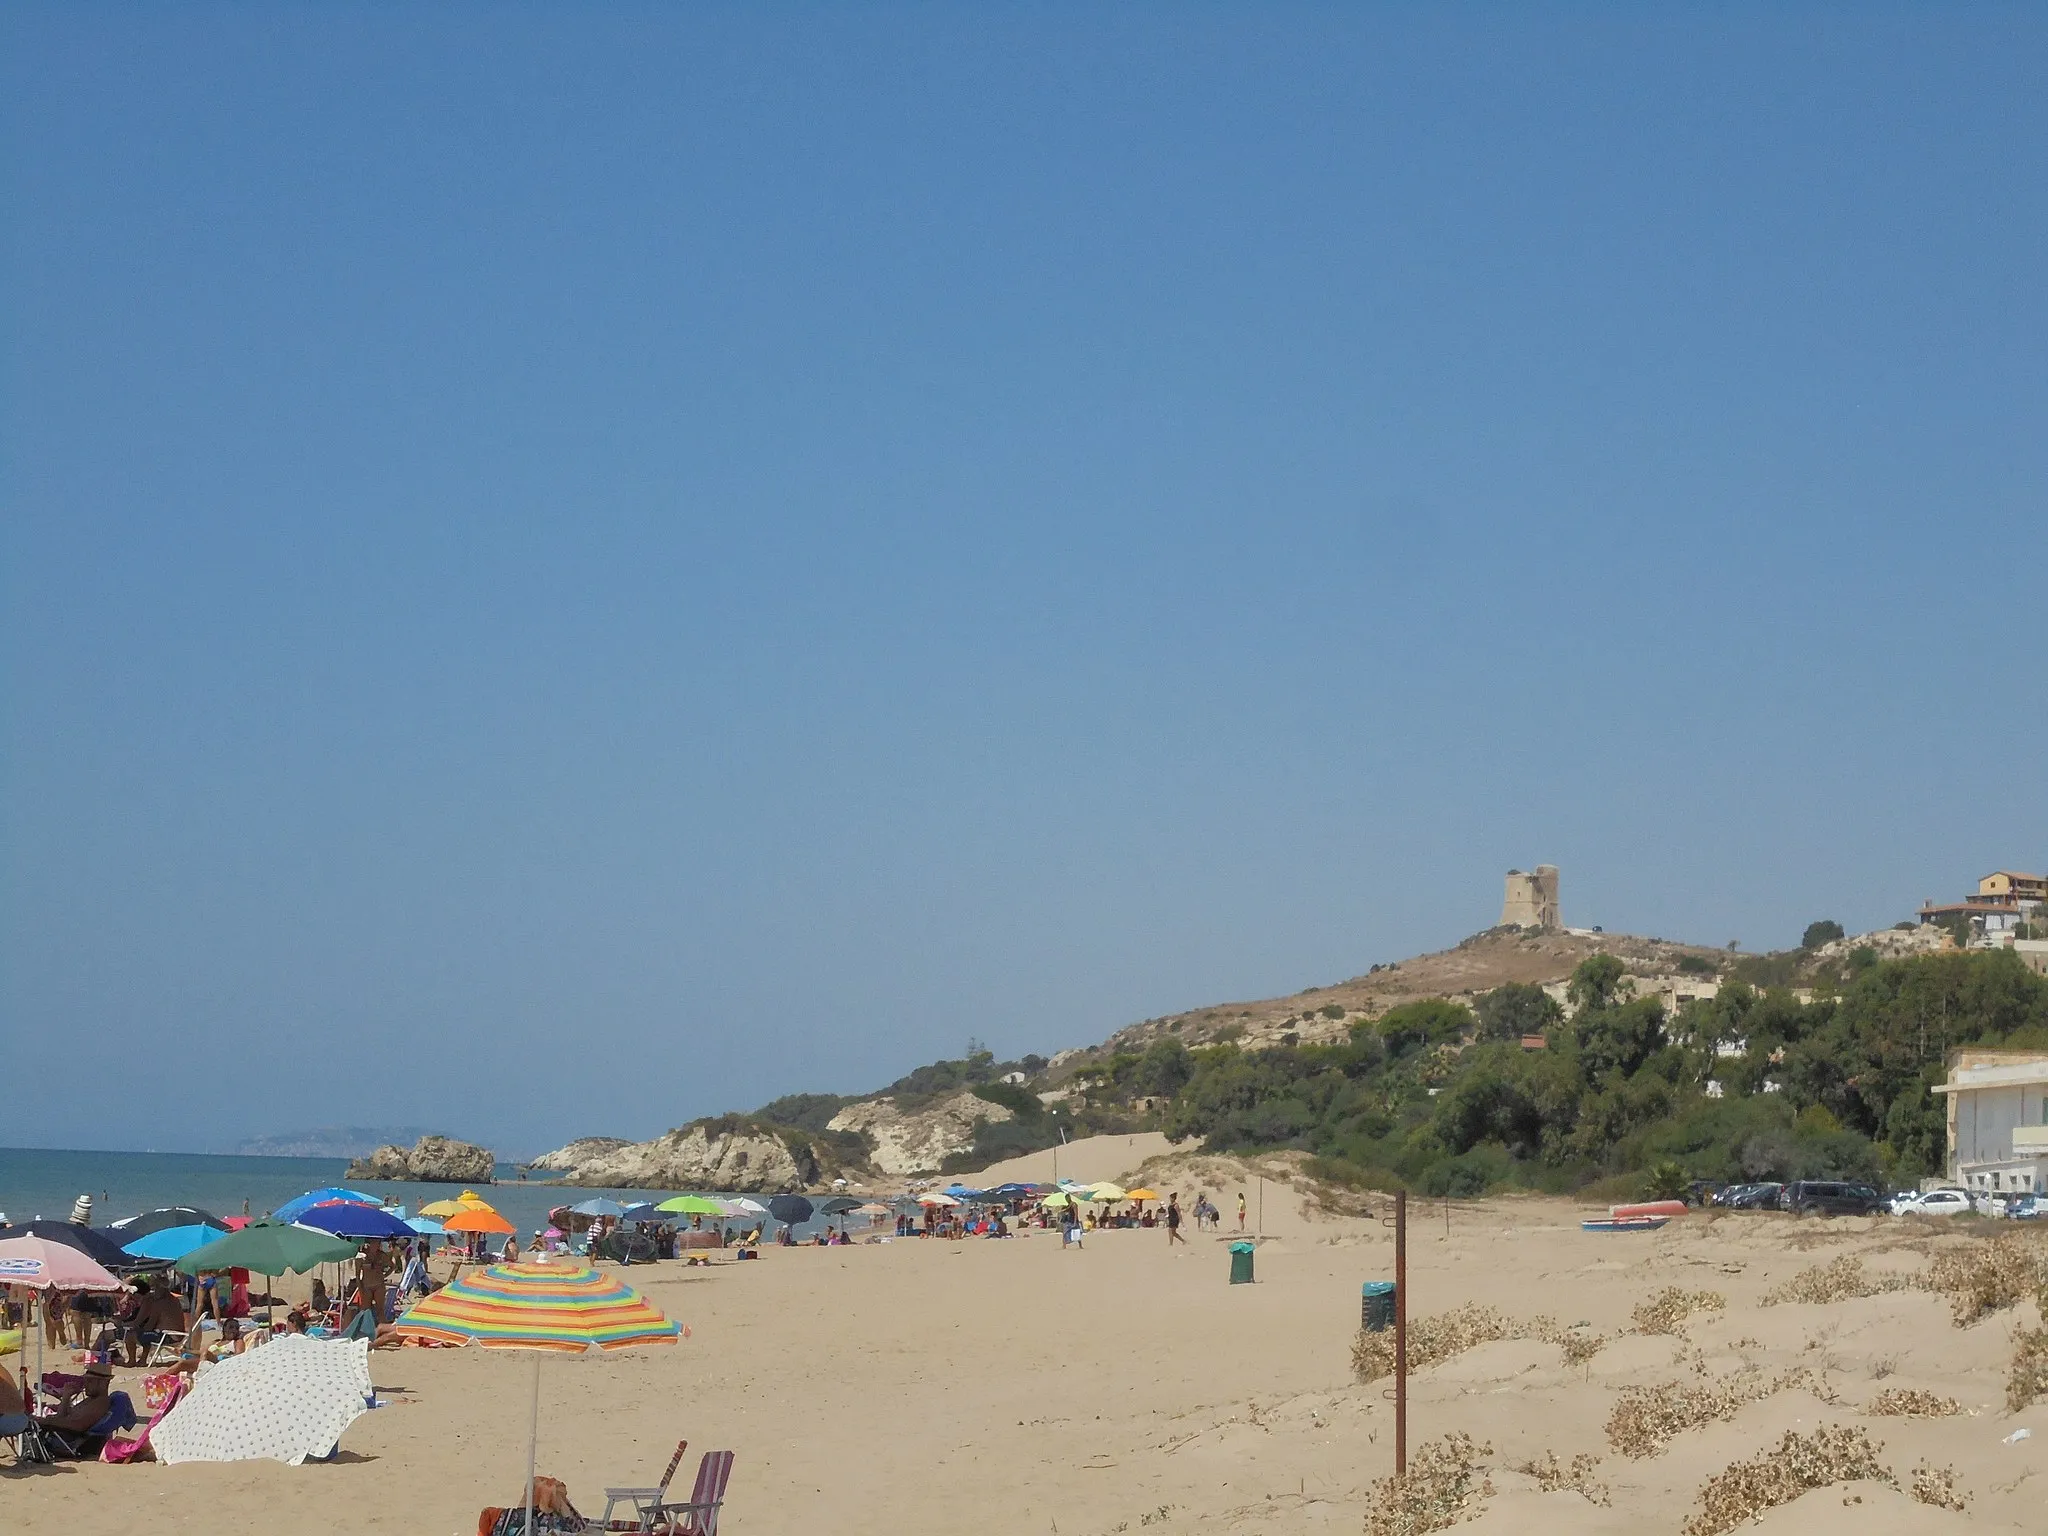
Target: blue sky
<point>564,572</point>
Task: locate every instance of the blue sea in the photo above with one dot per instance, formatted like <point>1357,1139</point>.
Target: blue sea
<point>43,1183</point>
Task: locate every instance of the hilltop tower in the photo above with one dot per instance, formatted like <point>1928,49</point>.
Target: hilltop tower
<point>1531,899</point>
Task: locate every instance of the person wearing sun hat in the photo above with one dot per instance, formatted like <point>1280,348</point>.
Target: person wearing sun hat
<point>75,1415</point>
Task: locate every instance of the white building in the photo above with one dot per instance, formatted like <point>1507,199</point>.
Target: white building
<point>1997,1120</point>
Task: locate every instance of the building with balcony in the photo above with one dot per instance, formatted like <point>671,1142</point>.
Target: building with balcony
<point>1997,1120</point>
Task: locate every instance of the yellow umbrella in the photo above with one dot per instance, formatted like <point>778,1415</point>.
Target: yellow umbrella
<point>1142,1194</point>
<point>1107,1192</point>
<point>468,1200</point>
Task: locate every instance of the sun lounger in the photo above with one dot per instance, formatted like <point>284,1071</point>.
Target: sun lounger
<point>699,1517</point>
<point>646,1502</point>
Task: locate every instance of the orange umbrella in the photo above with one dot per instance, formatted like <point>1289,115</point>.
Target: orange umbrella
<point>481,1219</point>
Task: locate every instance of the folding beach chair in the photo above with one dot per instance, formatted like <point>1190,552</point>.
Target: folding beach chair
<point>646,1502</point>
<point>168,1349</point>
<point>699,1517</point>
<point>27,1440</point>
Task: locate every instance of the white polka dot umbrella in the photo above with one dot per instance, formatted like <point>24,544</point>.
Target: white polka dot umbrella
<point>284,1402</point>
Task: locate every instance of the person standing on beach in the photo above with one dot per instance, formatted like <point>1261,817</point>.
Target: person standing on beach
<point>1240,1210</point>
<point>1173,1221</point>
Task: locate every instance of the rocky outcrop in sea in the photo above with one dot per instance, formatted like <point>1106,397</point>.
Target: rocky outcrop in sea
<point>431,1160</point>
<point>584,1149</point>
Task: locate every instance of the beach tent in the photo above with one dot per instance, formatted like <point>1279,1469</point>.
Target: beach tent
<point>545,1308</point>
<point>291,1210</point>
<point>284,1402</point>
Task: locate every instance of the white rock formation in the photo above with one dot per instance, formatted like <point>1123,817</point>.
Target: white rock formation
<point>701,1156</point>
<point>917,1141</point>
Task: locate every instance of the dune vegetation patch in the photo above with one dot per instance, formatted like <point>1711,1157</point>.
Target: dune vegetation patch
<point>2027,1376</point>
<point>1843,1279</point>
<point>1910,1403</point>
<point>1445,1482</point>
<point>1646,1418</point>
<point>1667,1311</point>
<point>1743,1490</point>
<point>1986,1277</point>
<point>1433,1340</point>
<point>1554,1476</point>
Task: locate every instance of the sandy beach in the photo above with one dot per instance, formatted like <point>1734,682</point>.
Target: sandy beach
<point>1011,1386</point>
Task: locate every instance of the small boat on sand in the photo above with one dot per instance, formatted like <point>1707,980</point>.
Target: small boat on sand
<point>1624,1224</point>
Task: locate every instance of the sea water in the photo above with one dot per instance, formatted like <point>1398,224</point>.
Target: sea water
<point>37,1183</point>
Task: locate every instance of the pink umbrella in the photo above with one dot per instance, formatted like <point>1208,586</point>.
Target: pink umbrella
<point>42,1265</point>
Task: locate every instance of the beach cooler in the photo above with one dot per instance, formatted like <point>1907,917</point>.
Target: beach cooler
<point>1376,1306</point>
<point>1241,1262</point>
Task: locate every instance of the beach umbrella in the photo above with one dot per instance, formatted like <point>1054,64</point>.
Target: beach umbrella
<point>1057,1202</point>
<point>340,1218</point>
<point>838,1205</point>
<point>291,1210</point>
<point>645,1210</point>
<point>935,1198</point>
<point>469,1199</point>
<point>478,1219</point>
<point>871,1209</point>
<point>692,1205</point>
<point>269,1248</point>
<point>1142,1194</point>
<point>43,1265</point>
<point>545,1308</point>
<point>1107,1192</point>
<point>426,1226</point>
<point>96,1245</point>
<point>173,1243</point>
<point>131,1227</point>
<point>598,1206</point>
<point>790,1210</point>
<point>284,1402</point>
<point>743,1206</point>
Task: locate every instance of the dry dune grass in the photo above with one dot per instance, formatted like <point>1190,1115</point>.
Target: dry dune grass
<point>1911,1403</point>
<point>1743,1490</point>
<point>1446,1478</point>
<point>1553,1476</point>
<point>1667,1311</point>
<point>1432,1340</point>
<point>1646,1418</point>
<point>2027,1376</point>
<point>1843,1279</point>
<point>1986,1277</point>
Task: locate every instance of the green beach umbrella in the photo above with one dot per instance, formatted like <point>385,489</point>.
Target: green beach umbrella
<point>270,1248</point>
<point>691,1205</point>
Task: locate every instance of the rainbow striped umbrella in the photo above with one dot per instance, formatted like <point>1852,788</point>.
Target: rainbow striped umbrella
<point>563,1308</point>
<point>569,1308</point>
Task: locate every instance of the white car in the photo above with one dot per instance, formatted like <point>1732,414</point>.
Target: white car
<point>1939,1202</point>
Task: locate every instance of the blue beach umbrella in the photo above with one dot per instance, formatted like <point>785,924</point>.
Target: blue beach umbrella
<point>291,1210</point>
<point>598,1206</point>
<point>173,1243</point>
<point>644,1211</point>
<point>356,1222</point>
<point>426,1226</point>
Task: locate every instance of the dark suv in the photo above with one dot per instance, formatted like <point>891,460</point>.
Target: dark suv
<point>1830,1197</point>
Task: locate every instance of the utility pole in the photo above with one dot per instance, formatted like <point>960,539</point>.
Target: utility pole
<point>1400,1333</point>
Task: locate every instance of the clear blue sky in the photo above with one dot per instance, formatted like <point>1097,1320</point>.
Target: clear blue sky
<point>565,572</point>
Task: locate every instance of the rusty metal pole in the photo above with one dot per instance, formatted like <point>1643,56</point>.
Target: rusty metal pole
<point>1401,1333</point>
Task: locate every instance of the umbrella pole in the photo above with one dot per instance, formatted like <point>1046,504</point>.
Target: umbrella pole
<point>532,1443</point>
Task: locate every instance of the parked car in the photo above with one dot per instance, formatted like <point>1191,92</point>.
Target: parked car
<point>1902,1201</point>
<point>1749,1197</point>
<point>1939,1202</point>
<point>1830,1197</point>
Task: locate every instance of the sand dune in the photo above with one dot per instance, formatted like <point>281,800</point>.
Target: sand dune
<point>1013,1387</point>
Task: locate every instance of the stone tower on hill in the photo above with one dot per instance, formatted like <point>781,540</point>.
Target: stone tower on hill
<point>1531,899</point>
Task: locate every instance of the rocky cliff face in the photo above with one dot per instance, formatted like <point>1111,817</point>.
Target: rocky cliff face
<point>432,1160</point>
<point>702,1156</point>
<point>915,1141</point>
<point>583,1149</point>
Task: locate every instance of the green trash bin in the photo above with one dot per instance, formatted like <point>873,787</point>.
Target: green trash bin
<point>1376,1306</point>
<point>1241,1263</point>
